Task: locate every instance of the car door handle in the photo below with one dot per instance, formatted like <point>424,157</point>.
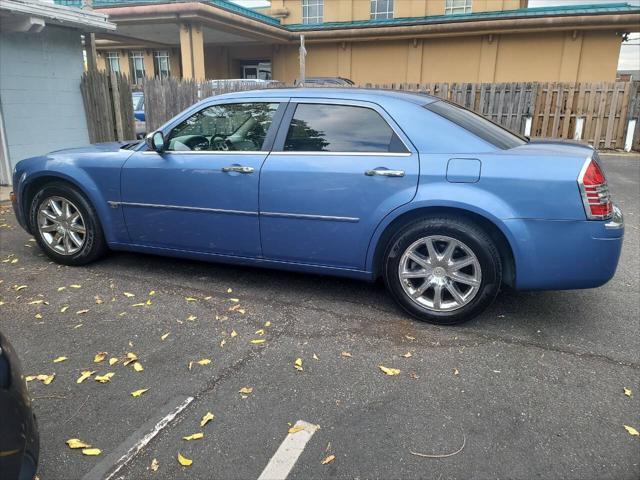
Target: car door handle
<point>384,172</point>
<point>237,169</point>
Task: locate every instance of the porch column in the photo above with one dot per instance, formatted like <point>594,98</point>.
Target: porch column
<point>192,51</point>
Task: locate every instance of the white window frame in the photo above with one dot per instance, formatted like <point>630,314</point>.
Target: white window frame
<point>376,10</point>
<point>457,7</point>
<point>165,56</point>
<point>111,58</point>
<point>133,56</point>
<point>306,5</point>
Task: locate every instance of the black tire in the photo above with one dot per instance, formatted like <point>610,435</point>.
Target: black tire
<point>473,237</point>
<point>94,245</point>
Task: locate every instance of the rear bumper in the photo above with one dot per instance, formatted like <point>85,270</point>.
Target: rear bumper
<point>562,255</point>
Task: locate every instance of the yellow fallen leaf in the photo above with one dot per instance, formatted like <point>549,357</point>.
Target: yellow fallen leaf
<point>191,318</point>
<point>315,357</point>
<point>113,361</point>
<point>75,286</point>
<point>204,361</point>
<point>77,326</point>
<point>229,290</point>
<point>84,375</point>
<point>190,366</point>
<point>154,465</point>
<point>128,295</point>
<point>328,459</point>
<point>148,302</point>
<point>46,379</point>
<point>137,366</point>
<point>389,371</point>
<point>100,356</point>
<point>632,431</point>
<point>61,288</point>
<point>234,300</point>
<point>77,443</point>
<point>295,429</point>
<point>104,378</point>
<point>260,332</point>
<point>456,372</point>
<point>99,301</point>
<point>246,390</point>
<point>234,333</point>
<point>346,354</point>
<point>298,364</point>
<point>38,316</point>
<point>59,359</point>
<point>222,342</point>
<point>19,287</point>
<point>138,304</point>
<point>164,337</point>
<point>267,324</point>
<point>130,357</point>
<point>184,461</point>
<point>409,337</point>
<point>36,302</point>
<point>152,293</point>
<point>627,391</point>
<point>206,419</point>
<point>64,309</point>
<point>408,355</point>
<point>82,312</point>
<point>194,436</point>
<point>92,452</point>
<point>258,341</point>
<point>137,393</point>
<point>190,299</point>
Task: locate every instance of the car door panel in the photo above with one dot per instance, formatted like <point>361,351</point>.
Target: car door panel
<point>322,208</point>
<point>184,200</point>
<point>201,200</point>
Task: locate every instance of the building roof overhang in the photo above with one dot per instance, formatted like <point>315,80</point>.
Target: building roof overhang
<point>33,15</point>
<point>228,17</point>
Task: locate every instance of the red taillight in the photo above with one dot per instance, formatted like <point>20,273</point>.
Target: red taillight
<point>595,192</point>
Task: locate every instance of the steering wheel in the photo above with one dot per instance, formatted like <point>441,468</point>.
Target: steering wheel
<point>197,143</point>
<point>219,143</point>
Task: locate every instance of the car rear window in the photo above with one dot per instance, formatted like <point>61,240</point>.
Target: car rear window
<point>476,124</point>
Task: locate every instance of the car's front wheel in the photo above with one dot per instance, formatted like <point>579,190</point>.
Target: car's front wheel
<point>65,225</point>
<point>443,270</point>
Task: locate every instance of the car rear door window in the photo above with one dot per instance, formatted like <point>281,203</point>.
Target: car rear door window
<point>340,128</point>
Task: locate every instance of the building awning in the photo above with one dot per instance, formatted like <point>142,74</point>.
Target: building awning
<point>34,15</point>
<point>226,22</point>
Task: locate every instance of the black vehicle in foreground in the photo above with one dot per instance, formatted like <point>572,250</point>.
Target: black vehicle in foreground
<point>19,439</point>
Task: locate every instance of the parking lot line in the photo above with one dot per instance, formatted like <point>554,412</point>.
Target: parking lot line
<point>287,454</point>
<point>112,463</point>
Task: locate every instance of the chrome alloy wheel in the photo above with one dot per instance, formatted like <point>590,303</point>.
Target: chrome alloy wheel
<point>61,225</point>
<point>440,273</point>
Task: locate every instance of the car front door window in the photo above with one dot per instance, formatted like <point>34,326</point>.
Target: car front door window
<point>225,127</point>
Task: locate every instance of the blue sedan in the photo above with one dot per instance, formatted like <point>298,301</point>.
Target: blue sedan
<point>443,204</point>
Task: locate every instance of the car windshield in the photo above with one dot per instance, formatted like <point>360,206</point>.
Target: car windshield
<point>487,130</point>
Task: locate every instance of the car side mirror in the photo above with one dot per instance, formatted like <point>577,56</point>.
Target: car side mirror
<point>155,141</point>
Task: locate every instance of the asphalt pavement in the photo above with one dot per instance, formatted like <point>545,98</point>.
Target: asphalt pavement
<point>533,388</point>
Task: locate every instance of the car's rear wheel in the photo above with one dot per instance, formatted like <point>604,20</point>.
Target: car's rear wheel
<point>443,270</point>
<point>65,225</point>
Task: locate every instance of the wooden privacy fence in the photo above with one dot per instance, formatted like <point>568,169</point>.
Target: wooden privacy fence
<point>108,106</point>
<point>594,113</point>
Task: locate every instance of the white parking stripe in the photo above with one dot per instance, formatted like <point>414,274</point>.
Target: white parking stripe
<point>112,463</point>
<point>290,449</point>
